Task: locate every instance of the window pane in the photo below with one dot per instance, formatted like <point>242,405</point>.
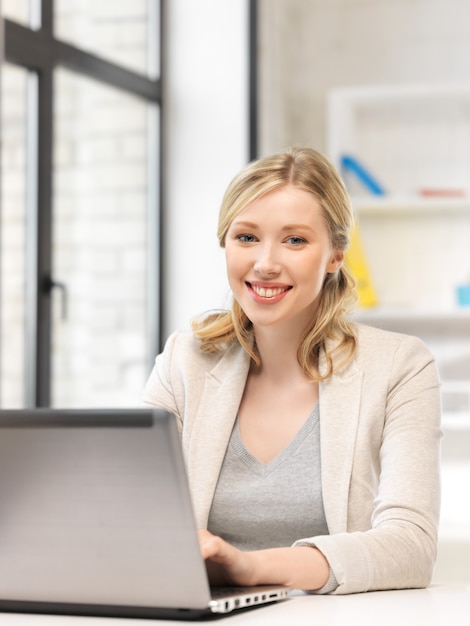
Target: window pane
<point>117,31</point>
<point>99,245</point>
<point>16,10</point>
<point>12,236</point>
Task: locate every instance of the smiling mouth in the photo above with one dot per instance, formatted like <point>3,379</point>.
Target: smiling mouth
<point>268,292</point>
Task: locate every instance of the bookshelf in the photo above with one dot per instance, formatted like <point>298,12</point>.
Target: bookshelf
<point>414,141</point>
<point>367,205</point>
<point>414,221</point>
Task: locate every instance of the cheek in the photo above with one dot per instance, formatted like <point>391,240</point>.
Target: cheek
<point>314,274</point>
<point>232,263</point>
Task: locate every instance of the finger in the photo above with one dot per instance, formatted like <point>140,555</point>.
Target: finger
<point>204,535</point>
<point>208,544</point>
<point>214,547</point>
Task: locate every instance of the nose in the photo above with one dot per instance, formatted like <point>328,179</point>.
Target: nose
<point>267,262</point>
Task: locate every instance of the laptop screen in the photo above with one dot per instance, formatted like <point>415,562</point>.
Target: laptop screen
<point>95,509</point>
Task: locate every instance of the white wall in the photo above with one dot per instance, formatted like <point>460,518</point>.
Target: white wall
<point>309,48</point>
<point>206,135</point>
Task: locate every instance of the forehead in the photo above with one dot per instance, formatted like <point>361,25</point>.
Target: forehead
<point>283,203</point>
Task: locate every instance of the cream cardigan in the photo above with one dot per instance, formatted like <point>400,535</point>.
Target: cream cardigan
<point>380,441</point>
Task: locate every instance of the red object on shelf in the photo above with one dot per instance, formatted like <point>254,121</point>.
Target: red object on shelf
<point>432,192</point>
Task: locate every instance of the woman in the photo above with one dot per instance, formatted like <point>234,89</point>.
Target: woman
<point>312,443</point>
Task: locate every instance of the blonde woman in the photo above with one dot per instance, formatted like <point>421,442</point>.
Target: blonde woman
<point>312,443</point>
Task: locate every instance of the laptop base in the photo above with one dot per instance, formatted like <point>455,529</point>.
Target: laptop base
<point>99,610</point>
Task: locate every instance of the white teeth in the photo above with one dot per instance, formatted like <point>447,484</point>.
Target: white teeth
<point>267,293</point>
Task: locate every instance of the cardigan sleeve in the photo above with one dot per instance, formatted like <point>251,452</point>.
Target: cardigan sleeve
<point>399,549</point>
<point>159,390</point>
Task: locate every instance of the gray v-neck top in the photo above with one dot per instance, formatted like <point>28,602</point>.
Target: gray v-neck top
<point>259,505</point>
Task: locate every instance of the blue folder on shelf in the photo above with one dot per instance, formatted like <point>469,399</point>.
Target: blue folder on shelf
<point>351,164</point>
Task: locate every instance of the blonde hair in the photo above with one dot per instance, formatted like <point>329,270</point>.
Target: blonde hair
<point>310,171</point>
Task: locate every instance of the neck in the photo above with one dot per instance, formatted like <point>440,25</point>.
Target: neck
<point>278,352</point>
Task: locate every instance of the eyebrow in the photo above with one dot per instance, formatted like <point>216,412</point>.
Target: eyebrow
<point>244,224</point>
<point>297,227</point>
<point>286,228</point>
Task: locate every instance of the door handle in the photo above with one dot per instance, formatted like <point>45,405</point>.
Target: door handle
<point>49,284</point>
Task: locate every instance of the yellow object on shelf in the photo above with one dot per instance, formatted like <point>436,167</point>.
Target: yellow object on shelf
<point>357,263</point>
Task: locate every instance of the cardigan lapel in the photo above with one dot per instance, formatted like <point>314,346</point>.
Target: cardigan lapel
<point>216,415</point>
<point>340,398</point>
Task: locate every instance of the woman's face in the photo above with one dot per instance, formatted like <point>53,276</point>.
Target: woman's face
<point>278,253</point>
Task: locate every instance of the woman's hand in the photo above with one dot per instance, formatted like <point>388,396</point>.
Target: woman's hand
<point>303,567</point>
<point>225,564</point>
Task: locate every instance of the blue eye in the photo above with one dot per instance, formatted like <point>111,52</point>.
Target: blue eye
<point>296,241</point>
<point>246,238</point>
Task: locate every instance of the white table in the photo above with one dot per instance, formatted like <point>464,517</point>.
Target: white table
<point>439,605</point>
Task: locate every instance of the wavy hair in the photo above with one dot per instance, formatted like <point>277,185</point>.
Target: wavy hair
<point>330,330</point>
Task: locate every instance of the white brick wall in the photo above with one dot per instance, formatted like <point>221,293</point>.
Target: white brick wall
<point>100,244</point>
<point>12,236</point>
<point>115,29</point>
<point>15,10</point>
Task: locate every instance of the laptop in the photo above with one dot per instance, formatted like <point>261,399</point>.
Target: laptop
<point>96,519</point>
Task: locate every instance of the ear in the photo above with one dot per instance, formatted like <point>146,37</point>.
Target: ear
<point>336,262</point>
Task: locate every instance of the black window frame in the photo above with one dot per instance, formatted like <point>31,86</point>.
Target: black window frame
<point>40,52</point>
<point>253,78</point>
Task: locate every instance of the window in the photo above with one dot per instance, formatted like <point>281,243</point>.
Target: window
<point>79,297</point>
